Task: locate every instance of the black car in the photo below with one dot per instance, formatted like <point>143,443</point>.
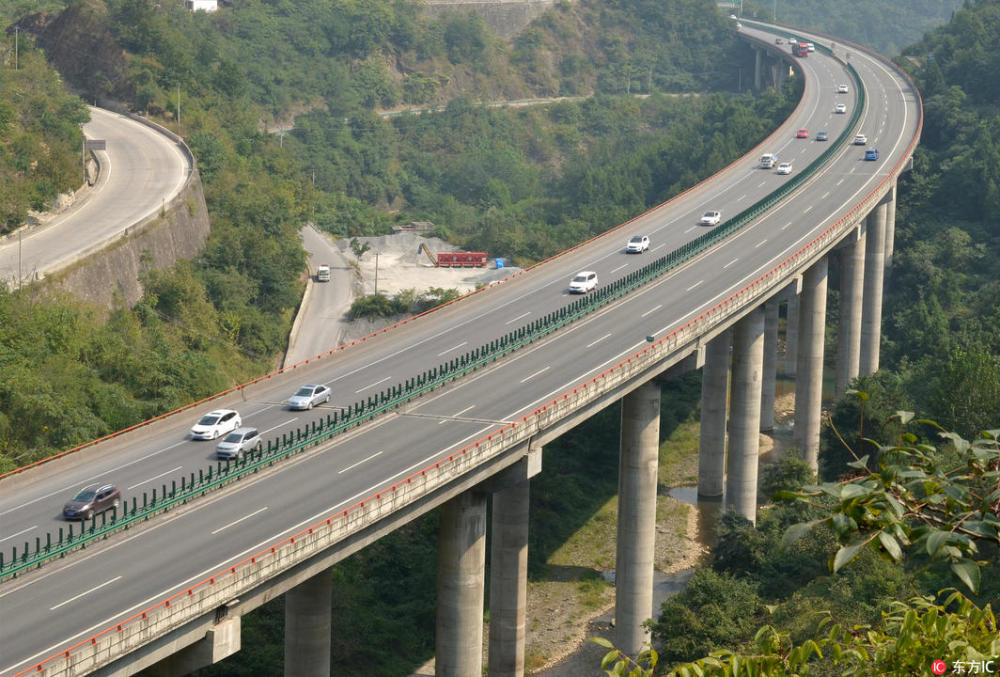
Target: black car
<point>92,499</point>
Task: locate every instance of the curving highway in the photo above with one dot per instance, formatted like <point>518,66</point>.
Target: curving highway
<point>141,169</point>
<point>62,603</point>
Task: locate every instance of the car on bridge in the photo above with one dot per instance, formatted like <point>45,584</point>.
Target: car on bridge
<point>711,218</point>
<point>240,440</point>
<point>842,89</point>
<point>91,500</point>
<point>215,424</point>
<point>860,140</point>
<point>308,396</point>
<point>785,168</point>
<point>637,244</point>
<point>802,134</point>
<point>840,108</point>
<point>583,282</point>
<point>871,154</point>
<point>822,136</point>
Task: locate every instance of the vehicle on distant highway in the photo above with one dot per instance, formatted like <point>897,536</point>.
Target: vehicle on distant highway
<point>711,218</point>
<point>91,500</point>
<point>822,136</point>
<point>871,154</point>
<point>842,89</point>
<point>840,108</point>
<point>768,160</point>
<point>583,282</point>
<point>785,168</point>
<point>215,424</point>
<point>308,396</point>
<point>637,244</point>
<point>803,133</point>
<point>860,140</point>
<point>235,443</point>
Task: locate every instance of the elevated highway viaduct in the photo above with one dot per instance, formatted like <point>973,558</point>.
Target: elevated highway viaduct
<point>167,594</point>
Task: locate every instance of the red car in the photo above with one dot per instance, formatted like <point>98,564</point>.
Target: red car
<point>802,134</point>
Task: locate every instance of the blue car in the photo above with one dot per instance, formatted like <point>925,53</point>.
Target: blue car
<point>871,154</point>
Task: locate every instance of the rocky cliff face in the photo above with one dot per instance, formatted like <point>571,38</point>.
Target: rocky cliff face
<point>504,17</point>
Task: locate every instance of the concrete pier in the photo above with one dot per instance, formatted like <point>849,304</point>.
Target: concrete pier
<point>871,315</point>
<point>792,335</point>
<point>770,367</point>
<point>714,393</point>
<point>461,586</point>
<point>890,225</point>
<point>744,442</point>
<point>508,580</point>
<point>308,627</point>
<point>852,268</point>
<point>809,381</point>
<point>637,471</point>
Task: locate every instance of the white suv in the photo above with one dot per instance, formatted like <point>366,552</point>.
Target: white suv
<point>711,218</point>
<point>583,282</point>
<point>860,140</point>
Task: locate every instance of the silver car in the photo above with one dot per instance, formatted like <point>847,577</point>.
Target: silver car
<point>308,396</point>
<point>240,440</point>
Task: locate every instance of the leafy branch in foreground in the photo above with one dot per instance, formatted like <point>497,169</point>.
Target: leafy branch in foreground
<point>624,666</point>
<point>940,501</point>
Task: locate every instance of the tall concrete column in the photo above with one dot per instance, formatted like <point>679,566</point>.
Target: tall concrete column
<point>852,268</point>
<point>637,470</point>
<point>890,224</point>
<point>770,366</point>
<point>758,67</point>
<point>461,586</point>
<point>792,335</point>
<point>744,417</point>
<point>508,580</point>
<point>308,627</point>
<point>871,315</point>
<point>809,381</point>
<point>714,393</point>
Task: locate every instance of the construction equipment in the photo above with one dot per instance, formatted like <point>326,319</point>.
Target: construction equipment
<point>455,259</point>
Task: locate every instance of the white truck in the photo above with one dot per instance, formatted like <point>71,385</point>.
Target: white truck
<point>768,160</point>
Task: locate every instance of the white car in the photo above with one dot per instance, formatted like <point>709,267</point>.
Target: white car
<point>583,282</point>
<point>842,89</point>
<point>785,168</point>
<point>860,140</point>
<point>215,424</point>
<point>711,218</point>
<point>637,244</point>
<point>840,108</point>
<point>308,396</point>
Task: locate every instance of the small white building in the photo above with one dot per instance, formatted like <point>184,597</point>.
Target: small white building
<point>203,5</point>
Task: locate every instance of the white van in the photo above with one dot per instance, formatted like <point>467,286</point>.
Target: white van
<point>768,160</point>
<point>323,273</point>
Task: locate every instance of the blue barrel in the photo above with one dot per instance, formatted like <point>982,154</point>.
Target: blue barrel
<point>499,263</point>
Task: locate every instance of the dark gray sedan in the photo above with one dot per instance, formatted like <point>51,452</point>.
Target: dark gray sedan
<point>91,500</point>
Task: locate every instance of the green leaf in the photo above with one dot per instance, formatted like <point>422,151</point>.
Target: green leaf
<point>602,642</point>
<point>852,490</point>
<point>796,532</point>
<point>846,554</point>
<point>935,541</point>
<point>904,416</point>
<point>891,546</point>
<point>859,464</point>
<point>968,571</point>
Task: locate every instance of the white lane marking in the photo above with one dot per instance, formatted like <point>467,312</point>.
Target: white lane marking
<point>280,425</point>
<point>661,246</point>
<point>445,352</point>
<point>690,229</point>
<point>761,184</point>
<point>741,197</point>
<point>245,517</point>
<point>84,594</point>
<point>456,414</point>
<point>696,284</point>
<point>95,478</point>
<point>808,209</point>
<point>784,227</point>
<point>651,310</point>
<point>22,531</point>
<point>825,195</point>
<point>154,478</point>
<point>355,465</point>
<point>760,243</point>
<point>615,270</point>
<point>373,384</point>
<point>730,263</point>
<point>591,345</point>
<point>540,371</point>
<point>519,317</point>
